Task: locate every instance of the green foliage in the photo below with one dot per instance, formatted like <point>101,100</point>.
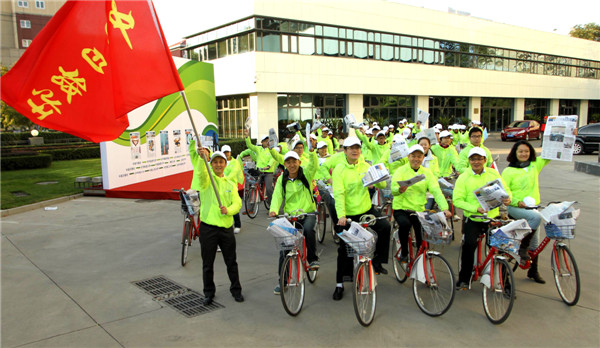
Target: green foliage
<point>14,138</point>
<point>73,154</point>
<point>590,31</point>
<point>62,172</point>
<point>9,117</point>
<point>237,145</point>
<point>25,162</point>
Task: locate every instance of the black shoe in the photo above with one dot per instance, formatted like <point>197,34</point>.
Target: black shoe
<point>208,300</point>
<point>338,293</point>
<point>379,269</point>
<point>238,298</point>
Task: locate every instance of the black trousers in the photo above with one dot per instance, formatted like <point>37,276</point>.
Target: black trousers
<point>211,237</point>
<point>382,227</point>
<point>472,231</point>
<point>405,220</point>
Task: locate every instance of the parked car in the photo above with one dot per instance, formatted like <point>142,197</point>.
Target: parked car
<point>588,139</point>
<point>525,129</point>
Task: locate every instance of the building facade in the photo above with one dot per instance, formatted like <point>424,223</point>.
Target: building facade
<point>285,61</point>
<point>20,22</point>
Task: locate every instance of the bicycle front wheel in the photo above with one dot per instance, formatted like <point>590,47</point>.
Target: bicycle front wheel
<point>321,222</point>
<point>400,269</point>
<point>312,275</point>
<point>498,299</point>
<point>291,284</point>
<point>434,296</point>
<point>251,202</point>
<point>566,274</point>
<point>186,240</point>
<point>364,294</point>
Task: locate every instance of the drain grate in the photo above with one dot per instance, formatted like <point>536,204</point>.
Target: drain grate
<point>190,304</point>
<point>184,300</point>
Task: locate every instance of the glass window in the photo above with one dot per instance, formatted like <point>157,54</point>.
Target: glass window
<point>306,28</point>
<point>307,45</point>
<point>222,47</point>
<point>25,24</point>
<point>22,3</point>
<point>330,31</point>
<point>306,100</point>
<point>41,4</point>
<point>360,50</point>
<point>342,48</point>
<point>405,54</point>
<point>387,52</point>
<point>331,47</point>
<point>319,46</point>
<point>294,44</point>
<point>285,43</point>
<point>360,35</point>
<point>270,42</point>
<point>318,30</point>
<point>342,34</point>
<point>25,43</point>
<point>387,38</point>
<point>243,43</point>
<point>212,51</point>
<point>349,34</point>
<point>370,36</point>
<point>350,50</point>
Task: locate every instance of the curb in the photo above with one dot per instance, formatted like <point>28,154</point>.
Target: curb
<point>33,206</point>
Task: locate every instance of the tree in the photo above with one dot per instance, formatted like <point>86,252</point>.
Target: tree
<point>9,117</point>
<point>590,31</point>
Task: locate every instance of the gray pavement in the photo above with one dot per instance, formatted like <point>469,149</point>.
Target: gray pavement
<point>67,282</point>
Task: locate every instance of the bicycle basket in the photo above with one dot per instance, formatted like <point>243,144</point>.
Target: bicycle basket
<point>434,228</point>
<point>289,242</point>
<point>285,234</point>
<point>187,204</point>
<point>560,232</point>
<point>249,165</point>
<point>508,237</point>
<point>359,241</point>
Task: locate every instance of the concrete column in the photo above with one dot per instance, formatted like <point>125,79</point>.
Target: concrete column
<point>583,112</point>
<point>554,106</point>
<point>474,111</point>
<point>354,105</point>
<point>519,109</point>
<point>263,110</point>
<point>421,102</point>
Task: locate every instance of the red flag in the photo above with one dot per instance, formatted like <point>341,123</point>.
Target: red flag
<point>93,63</point>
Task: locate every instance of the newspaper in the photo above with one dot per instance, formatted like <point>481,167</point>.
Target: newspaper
<point>559,138</point>
<point>350,120</point>
<point>415,179</point>
<point>272,138</point>
<point>445,183</point>
<point>248,123</point>
<point>427,133</point>
<point>435,227</point>
<point>398,151</point>
<point>491,195</point>
<point>206,140</point>
<point>316,126</point>
<point>308,136</point>
<point>509,236</point>
<point>422,116</point>
<point>285,233</point>
<point>554,211</point>
<point>356,233</point>
<point>375,174</point>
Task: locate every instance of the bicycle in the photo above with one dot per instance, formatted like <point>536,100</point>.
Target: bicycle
<point>383,199</point>
<point>291,277</point>
<point>364,285</point>
<point>254,192</point>
<point>191,223</point>
<point>564,267</point>
<point>321,225</point>
<point>323,208</point>
<point>433,278</point>
<point>498,293</point>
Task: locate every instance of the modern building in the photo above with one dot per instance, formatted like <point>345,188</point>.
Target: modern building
<point>283,61</point>
<point>21,21</point>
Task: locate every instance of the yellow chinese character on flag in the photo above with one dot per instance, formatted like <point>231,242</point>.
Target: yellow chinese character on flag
<point>121,21</point>
<point>96,61</point>
<point>69,82</point>
<point>44,95</point>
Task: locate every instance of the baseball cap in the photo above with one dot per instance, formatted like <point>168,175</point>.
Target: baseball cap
<point>226,148</point>
<point>444,134</point>
<point>312,136</point>
<point>218,154</point>
<point>476,122</point>
<point>368,131</point>
<point>291,154</point>
<point>406,132</point>
<point>477,151</point>
<point>410,125</point>
<point>416,147</point>
<point>381,133</point>
<point>350,141</point>
<point>263,137</point>
<point>321,144</point>
<point>296,143</point>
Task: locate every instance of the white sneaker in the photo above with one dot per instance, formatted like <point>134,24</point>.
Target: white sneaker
<point>456,218</point>
<point>236,230</point>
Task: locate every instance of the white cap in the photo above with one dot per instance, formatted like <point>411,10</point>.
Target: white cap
<point>391,126</point>
<point>330,132</point>
<point>375,127</point>
<point>296,143</point>
<point>404,120</point>
<point>385,129</point>
<point>462,126</point>
<point>291,154</point>
<point>444,134</point>
<point>218,154</point>
<point>381,133</point>
<point>321,144</point>
<point>312,136</point>
<point>416,147</point>
<point>350,141</point>
<point>375,124</point>
<point>263,137</point>
<point>368,131</point>
<point>452,126</point>
<point>438,126</point>
<point>365,127</point>
<point>477,151</point>
<point>226,148</point>
<point>406,132</point>
<point>410,125</point>
<point>437,130</point>
<point>476,122</point>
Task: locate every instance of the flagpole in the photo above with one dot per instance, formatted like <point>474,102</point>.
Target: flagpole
<point>212,180</point>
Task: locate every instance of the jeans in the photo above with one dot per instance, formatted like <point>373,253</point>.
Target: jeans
<point>533,218</point>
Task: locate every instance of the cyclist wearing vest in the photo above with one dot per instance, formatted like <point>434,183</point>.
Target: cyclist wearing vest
<point>446,154</point>
<point>463,197</point>
<point>522,177</point>
<point>234,171</point>
<point>264,162</point>
<point>475,140</point>
<point>216,229</point>
<point>295,190</point>
<point>352,201</point>
<point>409,199</point>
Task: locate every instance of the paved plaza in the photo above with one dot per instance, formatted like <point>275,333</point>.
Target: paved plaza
<point>67,281</point>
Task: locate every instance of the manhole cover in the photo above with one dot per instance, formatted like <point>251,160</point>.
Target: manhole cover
<point>19,193</point>
<point>46,182</point>
<point>184,300</point>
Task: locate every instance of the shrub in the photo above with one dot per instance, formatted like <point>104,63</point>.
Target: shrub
<point>73,154</point>
<point>237,145</point>
<point>26,162</point>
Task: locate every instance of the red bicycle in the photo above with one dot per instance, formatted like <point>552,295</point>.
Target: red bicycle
<point>191,223</point>
<point>254,192</point>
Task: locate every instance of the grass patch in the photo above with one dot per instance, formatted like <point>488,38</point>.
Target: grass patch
<point>63,172</point>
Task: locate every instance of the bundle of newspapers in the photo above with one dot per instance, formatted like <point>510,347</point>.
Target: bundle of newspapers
<point>375,174</point>
<point>508,237</point>
<point>359,241</point>
<point>491,195</point>
<point>285,234</point>
<point>560,220</point>
<point>435,227</point>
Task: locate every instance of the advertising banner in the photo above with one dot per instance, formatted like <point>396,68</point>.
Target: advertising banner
<point>156,142</point>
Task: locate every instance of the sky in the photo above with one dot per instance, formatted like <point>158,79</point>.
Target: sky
<point>181,18</point>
